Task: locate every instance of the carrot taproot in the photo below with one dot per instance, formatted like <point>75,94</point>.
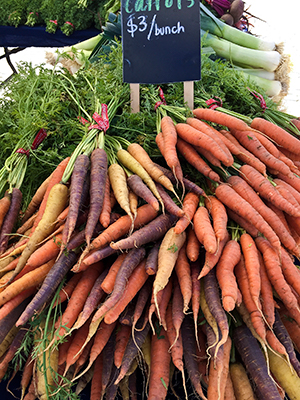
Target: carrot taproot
<point>27,225</point>
<point>183,272</point>
<point>219,216</point>
<point>50,283</point>
<point>135,283</point>
<point>137,185</point>
<point>133,202</point>
<point>123,335</point>
<point>235,202</point>
<point>278,135</point>
<point>177,308</point>
<point>230,256</point>
<point>275,274</point>
<point>195,300</point>
<point>276,345</point>
<point>210,158</point>
<point>167,256</point>
<point>27,373</point>
<point>255,314</point>
<point>27,281</point>
<point>190,154</point>
<point>4,206</point>
<point>142,301</point>
<point>150,232</point>
<point>266,294</point>
<point>189,207</point>
<point>108,282</point>
<point>169,204</point>
<point>96,382</point>
<point>248,193</point>
<point>204,230</point>
<point>160,366</point>
<point>220,118</point>
<point>192,245</point>
<point>254,361</point>
<point>241,383</point>
<point>94,257</point>
<point>212,132</point>
<point>152,259</point>
<point>16,300</point>
<point>251,143</point>
<point>104,216</point>
<point>290,271</point>
<point>10,218</point>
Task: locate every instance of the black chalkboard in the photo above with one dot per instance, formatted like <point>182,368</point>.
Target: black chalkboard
<point>161,41</point>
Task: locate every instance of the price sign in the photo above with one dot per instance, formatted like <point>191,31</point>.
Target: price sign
<point>161,41</point>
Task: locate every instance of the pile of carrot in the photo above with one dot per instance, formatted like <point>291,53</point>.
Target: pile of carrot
<point>131,269</point>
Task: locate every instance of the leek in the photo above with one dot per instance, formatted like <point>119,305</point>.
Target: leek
<point>219,28</point>
<point>271,87</point>
<point>242,56</point>
<point>262,73</point>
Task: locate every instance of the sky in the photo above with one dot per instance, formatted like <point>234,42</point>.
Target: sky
<point>272,24</point>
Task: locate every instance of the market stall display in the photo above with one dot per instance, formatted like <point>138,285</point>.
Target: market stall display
<point>176,272</point>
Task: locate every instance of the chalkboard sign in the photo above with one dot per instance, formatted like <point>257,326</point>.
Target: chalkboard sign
<point>161,41</point>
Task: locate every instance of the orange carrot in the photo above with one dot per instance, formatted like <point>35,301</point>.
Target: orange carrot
<point>277,134</point>
<point>190,154</point>
<point>4,207</point>
<point>195,301</point>
<point>183,272</point>
<point>27,281</point>
<point>26,225</point>
<point>135,283</point>
<point>96,383</point>
<point>252,265</point>
<point>220,118</point>
<point>266,294</point>
<point>67,290</point>
<point>15,301</point>
<point>160,366</point>
<point>204,230</point>
<point>122,337</point>
<point>230,256</point>
<point>189,206</point>
<point>219,216</point>
<point>104,217</point>
<point>108,283</point>
<point>197,138</point>
<point>290,271</point>
<point>192,245</point>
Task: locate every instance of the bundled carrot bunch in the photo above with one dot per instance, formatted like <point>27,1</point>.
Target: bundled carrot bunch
<point>130,267</point>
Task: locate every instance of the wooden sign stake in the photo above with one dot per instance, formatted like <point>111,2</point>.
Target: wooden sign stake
<point>188,93</point>
<point>135,97</point>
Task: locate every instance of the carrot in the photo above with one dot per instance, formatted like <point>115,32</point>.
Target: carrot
<point>16,300</point>
<point>230,256</point>
<point>251,143</point>
<point>252,265</point>
<point>204,230</point>
<point>135,283</point>
<point>290,271</point>
<point>29,280</point>
<point>56,202</point>
<point>254,361</point>
<point>169,204</point>
<point>151,232</point>
<point>189,207</point>
<point>183,272</point>
<point>27,225</point>
<point>190,154</point>
<point>160,366</point>
<point>133,202</point>
<point>209,157</point>
<point>274,271</point>
<point>277,134</point>
<point>212,132</point>
<point>195,301</point>
<point>50,283</point>
<point>137,185</point>
<point>108,283</point>
<point>122,338</point>
<point>255,314</point>
<point>241,384</point>
<point>98,179</point>
<point>152,259</point>
<point>4,207</point>
<point>96,383</point>
<point>248,193</point>
<point>220,118</point>
<point>219,216</point>
<point>26,374</point>
<point>235,202</point>
<point>192,245</point>
<point>104,217</point>
<point>167,256</point>
<point>169,137</point>
<point>10,218</point>
<point>141,303</point>
<point>290,325</point>
<point>266,294</point>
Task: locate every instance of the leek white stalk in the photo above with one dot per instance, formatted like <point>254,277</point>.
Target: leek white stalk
<point>271,87</point>
<point>219,28</point>
<point>236,54</point>
<point>262,73</point>
<point>88,44</point>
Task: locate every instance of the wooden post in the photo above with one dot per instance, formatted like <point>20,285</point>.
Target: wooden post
<point>135,97</point>
<point>188,93</point>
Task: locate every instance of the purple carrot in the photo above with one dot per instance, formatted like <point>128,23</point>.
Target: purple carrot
<point>189,354</point>
<point>126,316</point>
<point>151,232</point>
<point>131,261</point>
<point>51,282</point>
<point>97,184</point>
<point>177,307</point>
<point>144,296</point>
<point>152,259</point>
<point>137,185</point>
<point>189,185</point>
<point>285,339</point>
<point>212,297</point>
<point>10,218</point>
<point>170,206</point>
<point>255,362</point>
<point>78,179</point>
<point>109,373</point>
<point>79,238</point>
<point>96,256</point>
<point>131,351</point>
